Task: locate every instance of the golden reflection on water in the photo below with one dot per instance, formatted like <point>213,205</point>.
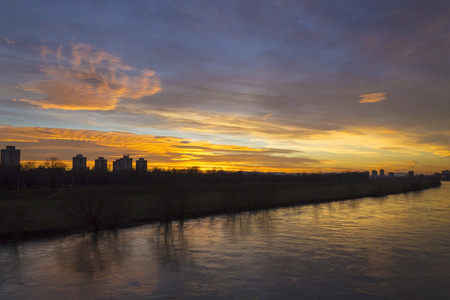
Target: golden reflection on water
<point>390,247</point>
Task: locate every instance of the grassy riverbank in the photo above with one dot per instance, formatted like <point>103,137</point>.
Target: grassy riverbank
<point>26,214</point>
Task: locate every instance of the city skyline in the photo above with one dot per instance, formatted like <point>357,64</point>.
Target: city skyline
<point>270,86</point>
<point>125,163</point>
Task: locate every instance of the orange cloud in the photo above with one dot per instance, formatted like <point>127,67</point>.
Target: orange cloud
<point>371,98</point>
<point>162,151</point>
<point>89,80</point>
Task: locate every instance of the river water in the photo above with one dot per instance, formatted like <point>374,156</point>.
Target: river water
<point>394,247</point>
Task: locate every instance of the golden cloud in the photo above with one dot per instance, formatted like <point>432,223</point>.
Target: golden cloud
<point>371,98</point>
<point>90,79</point>
<point>162,151</point>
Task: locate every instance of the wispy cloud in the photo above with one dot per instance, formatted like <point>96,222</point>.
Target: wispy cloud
<point>161,151</point>
<point>374,97</point>
<point>8,41</point>
<point>88,79</point>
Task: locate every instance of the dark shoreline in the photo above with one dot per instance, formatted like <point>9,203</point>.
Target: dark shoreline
<point>382,188</point>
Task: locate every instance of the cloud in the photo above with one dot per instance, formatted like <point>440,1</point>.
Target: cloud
<point>8,41</point>
<point>371,98</point>
<point>162,151</point>
<point>89,79</point>
<point>414,162</point>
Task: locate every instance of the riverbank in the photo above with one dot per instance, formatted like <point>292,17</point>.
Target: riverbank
<point>44,213</point>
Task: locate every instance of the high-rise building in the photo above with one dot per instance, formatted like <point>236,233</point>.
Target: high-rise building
<point>374,174</point>
<point>101,164</point>
<point>381,173</point>
<point>123,164</point>
<point>141,165</point>
<point>79,163</point>
<point>10,157</point>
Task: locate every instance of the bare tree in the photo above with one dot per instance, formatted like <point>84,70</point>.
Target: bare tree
<point>95,212</point>
<point>174,202</point>
<point>29,165</point>
<point>4,212</point>
<point>54,163</point>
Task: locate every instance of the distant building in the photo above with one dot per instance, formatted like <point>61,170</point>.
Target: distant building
<point>374,174</point>
<point>10,157</point>
<point>123,164</point>
<point>141,165</point>
<point>381,173</point>
<point>411,174</point>
<point>101,164</point>
<point>79,163</point>
<point>391,175</point>
<point>445,175</point>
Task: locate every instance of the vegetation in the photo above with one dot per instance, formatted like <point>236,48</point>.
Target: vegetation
<point>94,211</point>
<point>53,174</point>
<point>178,194</point>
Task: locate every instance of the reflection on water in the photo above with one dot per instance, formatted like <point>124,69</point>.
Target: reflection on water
<point>171,247</point>
<point>394,247</point>
<point>94,254</point>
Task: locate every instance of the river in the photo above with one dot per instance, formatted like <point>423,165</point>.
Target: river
<point>393,247</point>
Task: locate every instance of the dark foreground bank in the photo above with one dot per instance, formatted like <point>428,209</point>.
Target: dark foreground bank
<point>45,213</point>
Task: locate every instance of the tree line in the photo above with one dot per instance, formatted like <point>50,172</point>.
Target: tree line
<point>54,174</point>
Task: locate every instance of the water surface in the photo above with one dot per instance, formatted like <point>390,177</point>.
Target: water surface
<point>394,247</point>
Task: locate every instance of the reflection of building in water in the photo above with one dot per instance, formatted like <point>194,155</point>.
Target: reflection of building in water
<point>101,164</point>
<point>374,174</point>
<point>10,157</point>
<point>123,164</point>
<point>141,165</point>
<point>79,163</point>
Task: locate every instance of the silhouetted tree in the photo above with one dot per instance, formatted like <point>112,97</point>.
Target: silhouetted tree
<point>95,212</point>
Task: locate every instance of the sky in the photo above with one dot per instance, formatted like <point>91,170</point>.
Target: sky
<point>278,86</point>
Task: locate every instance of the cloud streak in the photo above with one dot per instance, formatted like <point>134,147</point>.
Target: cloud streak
<point>372,98</point>
<point>162,151</point>
<point>89,79</point>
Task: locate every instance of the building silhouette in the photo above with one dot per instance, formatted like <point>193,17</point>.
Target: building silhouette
<point>141,165</point>
<point>101,164</point>
<point>10,157</point>
<point>411,174</point>
<point>391,175</point>
<point>374,174</point>
<point>381,173</point>
<point>79,163</point>
<point>123,164</point>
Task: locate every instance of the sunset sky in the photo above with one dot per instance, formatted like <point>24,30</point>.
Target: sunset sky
<point>285,86</point>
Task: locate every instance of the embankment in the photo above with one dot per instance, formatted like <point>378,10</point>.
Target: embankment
<point>43,213</point>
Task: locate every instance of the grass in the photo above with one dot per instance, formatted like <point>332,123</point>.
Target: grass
<point>26,214</point>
